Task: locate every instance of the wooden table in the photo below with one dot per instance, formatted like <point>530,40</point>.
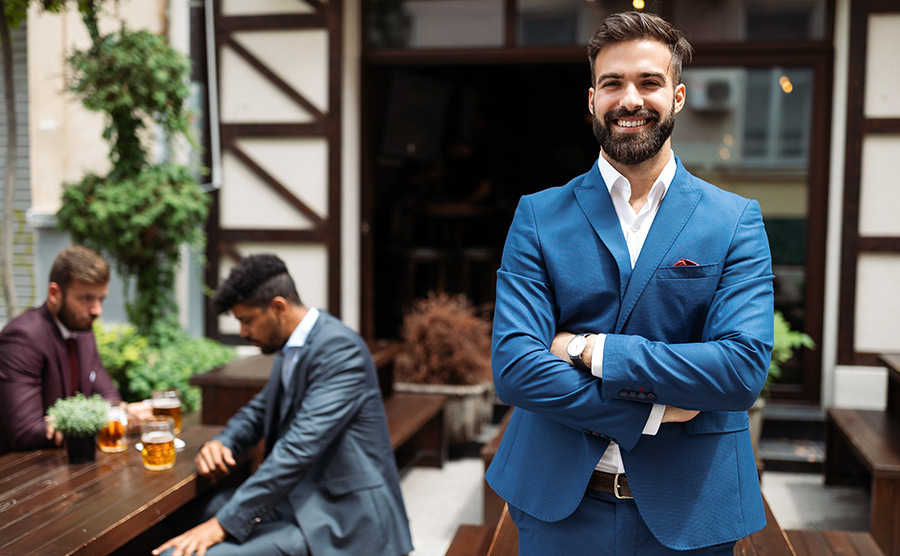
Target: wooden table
<point>50,507</point>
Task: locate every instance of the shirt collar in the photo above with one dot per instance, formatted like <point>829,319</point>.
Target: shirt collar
<point>301,333</point>
<point>612,177</point>
<point>64,330</point>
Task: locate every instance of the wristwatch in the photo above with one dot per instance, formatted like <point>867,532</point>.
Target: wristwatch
<point>575,349</point>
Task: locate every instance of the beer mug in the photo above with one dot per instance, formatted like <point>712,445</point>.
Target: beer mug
<point>114,436</point>
<point>168,404</point>
<point>158,443</point>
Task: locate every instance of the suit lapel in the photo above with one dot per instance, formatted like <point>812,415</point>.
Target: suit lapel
<point>593,197</point>
<point>674,211</point>
<point>273,403</point>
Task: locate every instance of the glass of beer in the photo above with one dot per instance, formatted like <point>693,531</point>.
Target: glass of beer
<point>114,436</point>
<point>168,403</point>
<point>158,443</point>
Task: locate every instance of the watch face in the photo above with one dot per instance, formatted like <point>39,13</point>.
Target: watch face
<point>576,346</point>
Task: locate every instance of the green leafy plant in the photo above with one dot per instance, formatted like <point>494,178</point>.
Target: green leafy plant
<point>79,416</point>
<point>139,367</point>
<point>787,341</point>
<point>142,212</point>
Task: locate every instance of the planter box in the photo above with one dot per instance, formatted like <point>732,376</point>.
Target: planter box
<point>467,411</point>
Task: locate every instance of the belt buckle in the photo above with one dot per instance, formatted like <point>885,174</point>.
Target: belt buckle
<point>616,488</point>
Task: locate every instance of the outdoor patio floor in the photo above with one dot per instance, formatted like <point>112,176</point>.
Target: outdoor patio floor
<point>438,500</point>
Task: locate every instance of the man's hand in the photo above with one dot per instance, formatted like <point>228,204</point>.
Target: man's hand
<point>214,460</point>
<point>675,415</point>
<point>52,433</point>
<point>138,412</point>
<point>198,539</point>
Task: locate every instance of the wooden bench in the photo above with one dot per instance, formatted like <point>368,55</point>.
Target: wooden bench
<point>863,447</point>
<point>486,540</point>
<point>415,421</point>
<point>833,543</point>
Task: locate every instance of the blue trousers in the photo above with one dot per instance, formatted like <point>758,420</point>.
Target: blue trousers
<point>601,526</point>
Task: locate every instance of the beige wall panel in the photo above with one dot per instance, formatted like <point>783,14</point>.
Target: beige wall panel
<point>882,90</point>
<point>879,194</point>
<point>264,7</point>
<point>66,139</point>
<point>245,96</point>
<point>301,165</point>
<point>300,58</point>
<point>248,202</point>
<point>878,303</point>
<point>308,265</point>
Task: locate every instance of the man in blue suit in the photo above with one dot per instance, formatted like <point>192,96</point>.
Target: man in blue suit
<point>632,331</point>
<point>328,485</point>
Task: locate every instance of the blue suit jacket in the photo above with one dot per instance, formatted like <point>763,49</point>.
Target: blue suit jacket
<point>328,459</point>
<point>694,337</point>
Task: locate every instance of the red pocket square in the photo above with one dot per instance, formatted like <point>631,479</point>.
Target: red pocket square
<point>686,262</point>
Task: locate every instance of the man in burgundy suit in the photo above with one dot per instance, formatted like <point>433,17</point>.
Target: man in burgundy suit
<point>49,352</point>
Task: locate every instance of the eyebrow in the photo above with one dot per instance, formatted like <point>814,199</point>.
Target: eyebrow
<point>644,75</point>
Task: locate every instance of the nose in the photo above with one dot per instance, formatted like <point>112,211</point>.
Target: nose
<point>96,308</point>
<point>631,98</point>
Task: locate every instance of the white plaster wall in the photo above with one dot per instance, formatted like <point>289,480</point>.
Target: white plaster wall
<point>882,84</point>
<point>66,139</point>
<point>351,283</point>
<point>828,349</point>
<point>860,387</point>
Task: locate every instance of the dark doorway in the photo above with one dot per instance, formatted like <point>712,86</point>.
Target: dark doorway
<point>450,149</point>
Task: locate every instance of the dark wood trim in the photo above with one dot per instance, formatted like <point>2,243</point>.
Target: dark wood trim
<point>872,244</point>
<point>510,20</point>
<point>273,78</point>
<point>333,131</point>
<point>276,186</point>
<point>232,132</point>
<point>858,127</point>
<point>326,124</point>
<point>238,235</point>
<point>881,125</point>
<point>271,22</point>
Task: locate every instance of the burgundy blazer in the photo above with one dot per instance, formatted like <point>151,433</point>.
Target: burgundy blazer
<point>34,373</point>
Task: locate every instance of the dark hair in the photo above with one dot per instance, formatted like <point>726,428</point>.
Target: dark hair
<point>81,264</point>
<point>255,281</point>
<point>634,26</point>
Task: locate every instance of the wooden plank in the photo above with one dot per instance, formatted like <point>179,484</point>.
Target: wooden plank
<point>770,541</point>
<point>893,397</point>
<point>833,543</point>
<point>874,438</point>
<point>471,540</point>
<point>506,537</point>
<point>96,507</point>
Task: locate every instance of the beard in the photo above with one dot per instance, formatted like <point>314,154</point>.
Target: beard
<point>633,148</point>
<point>70,320</point>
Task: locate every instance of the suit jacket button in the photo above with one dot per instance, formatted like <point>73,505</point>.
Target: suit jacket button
<point>641,396</point>
<point>623,394</point>
<point>651,397</point>
<point>632,395</point>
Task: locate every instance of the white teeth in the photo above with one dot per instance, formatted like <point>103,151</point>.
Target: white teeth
<point>631,123</point>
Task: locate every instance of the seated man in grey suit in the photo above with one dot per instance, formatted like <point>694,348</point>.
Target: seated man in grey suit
<point>328,484</point>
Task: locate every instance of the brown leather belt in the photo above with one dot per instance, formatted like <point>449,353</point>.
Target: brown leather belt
<point>613,483</point>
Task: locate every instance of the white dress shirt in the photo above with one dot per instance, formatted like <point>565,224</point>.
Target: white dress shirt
<point>635,226</point>
<point>297,340</point>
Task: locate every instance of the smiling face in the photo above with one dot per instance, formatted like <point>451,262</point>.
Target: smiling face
<point>634,100</point>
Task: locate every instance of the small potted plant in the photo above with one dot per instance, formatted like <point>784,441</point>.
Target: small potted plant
<point>448,351</point>
<point>79,419</point>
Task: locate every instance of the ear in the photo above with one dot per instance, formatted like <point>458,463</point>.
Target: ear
<point>680,92</point>
<point>278,305</point>
<point>591,100</point>
<point>54,297</point>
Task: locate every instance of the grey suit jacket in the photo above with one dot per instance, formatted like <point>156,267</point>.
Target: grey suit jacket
<point>329,460</point>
